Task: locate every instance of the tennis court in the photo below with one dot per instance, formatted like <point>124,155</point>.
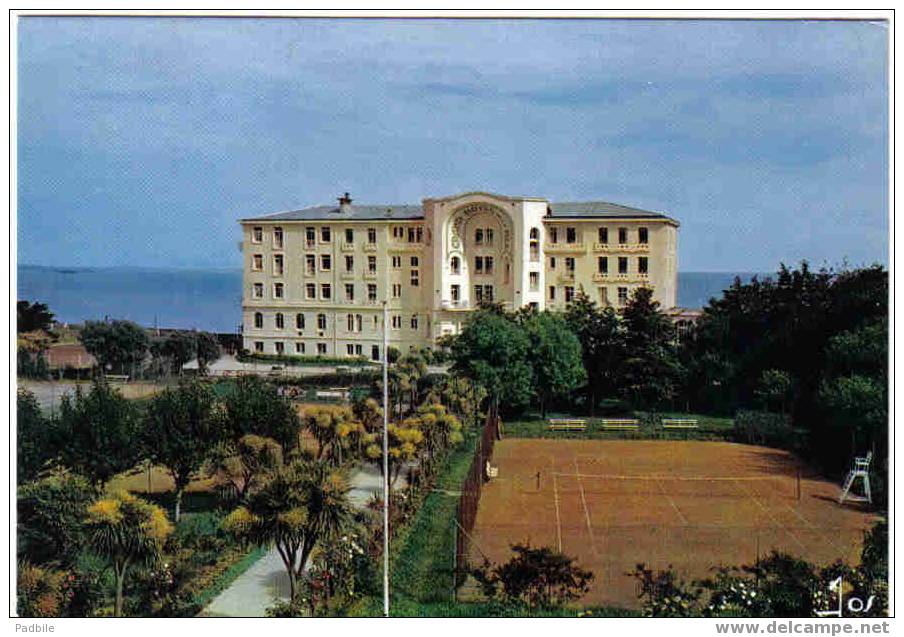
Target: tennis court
<point>694,505</point>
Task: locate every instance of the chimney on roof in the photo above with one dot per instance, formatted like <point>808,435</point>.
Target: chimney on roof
<point>345,203</point>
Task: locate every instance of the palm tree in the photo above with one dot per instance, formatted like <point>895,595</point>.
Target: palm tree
<point>297,508</point>
<point>126,530</point>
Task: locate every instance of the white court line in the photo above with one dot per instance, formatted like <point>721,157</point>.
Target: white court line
<point>775,521</point>
<point>616,476</point>
<point>555,491</point>
<point>672,502</point>
<point>586,510</point>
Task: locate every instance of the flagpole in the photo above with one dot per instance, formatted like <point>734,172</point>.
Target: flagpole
<point>385,460</point>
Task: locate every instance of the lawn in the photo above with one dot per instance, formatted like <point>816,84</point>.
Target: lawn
<point>533,426</point>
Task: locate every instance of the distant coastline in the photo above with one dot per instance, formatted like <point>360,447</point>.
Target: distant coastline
<point>211,298</point>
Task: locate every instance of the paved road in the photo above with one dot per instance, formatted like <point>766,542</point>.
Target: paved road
<point>266,581</point>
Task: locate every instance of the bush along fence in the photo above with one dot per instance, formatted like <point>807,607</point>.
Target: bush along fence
<point>466,514</point>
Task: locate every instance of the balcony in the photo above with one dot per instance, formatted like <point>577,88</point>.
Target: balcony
<point>565,248</point>
<point>370,247</point>
<point>370,275</point>
<point>347,247</point>
<point>456,305</point>
<point>403,246</point>
<point>566,277</point>
<point>347,276</point>
<point>621,247</point>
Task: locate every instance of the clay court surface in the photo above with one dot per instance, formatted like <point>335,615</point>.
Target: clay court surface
<point>694,505</point>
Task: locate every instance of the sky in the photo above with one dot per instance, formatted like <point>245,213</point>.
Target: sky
<point>142,141</point>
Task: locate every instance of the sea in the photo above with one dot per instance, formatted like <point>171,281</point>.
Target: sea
<point>210,299</point>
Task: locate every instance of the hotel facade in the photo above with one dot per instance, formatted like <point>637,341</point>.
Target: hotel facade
<point>315,280</point>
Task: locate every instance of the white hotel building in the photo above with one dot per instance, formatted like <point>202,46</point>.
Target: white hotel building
<point>315,280</point>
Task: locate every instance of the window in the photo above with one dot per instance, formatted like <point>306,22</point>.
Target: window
<point>310,237</point>
<point>569,265</point>
<point>310,291</point>
<point>299,348</point>
<point>552,263</point>
<point>349,291</point>
<point>257,291</point>
<point>623,235</point>
<point>622,265</point>
<point>277,237</point>
<point>278,290</point>
<point>489,234</point>
<point>478,293</point>
<point>396,262</point>
<point>359,323</point>
<point>258,320</point>
<point>396,322</point>
<point>258,346</point>
<point>349,235</point>
<point>350,349</point>
<point>371,235</point>
<point>280,348</point>
<point>622,296</point>
<point>414,262</point>
<point>371,292</point>
<point>310,264</point>
<point>642,265</point>
<point>257,262</point>
<point>534,281</point>
<point>604,235</point>
<point>257,234</point>
<point>478,265</point>
<point>569,293</point>
<point>398,232</point>
<point>604,297</point>
<point>553,235</point>
<point>278,261</point>
<point>375,352</point>
<point>478,236</point>
<point>455,265</point>
<point>325,235</point>
<point>349,263</point>
<point>321,321</point>
<point>643,235</point>
<point>534,244</point>
<point>415,235</point>
<point>372,264</point>
<point>456,293</point>
<point>415,278</point>
<point>534,234</point>
<point>376,322</point>
<point>414,321</point>
<point>552,293</point>
<point>280,321</point>
<point>326,263</point>
<point>350,322</point>
<point>396,290</point>
<point>571,235</point>
<point>488,293</point>
<point>299,321</point>
<point>603,265</point>
<point>321,349</point>
<point>488,264</point>
<point>325,291</point>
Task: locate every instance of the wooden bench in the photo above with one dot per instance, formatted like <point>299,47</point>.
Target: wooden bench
<point>679,423</point>
<point>567,424</point>
<point>620,424</point>
<point>117,378</point>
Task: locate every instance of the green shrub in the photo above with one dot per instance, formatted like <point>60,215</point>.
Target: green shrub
<point>764,428</point>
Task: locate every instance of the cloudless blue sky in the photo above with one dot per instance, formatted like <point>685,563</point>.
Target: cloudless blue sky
<point>141,141</point>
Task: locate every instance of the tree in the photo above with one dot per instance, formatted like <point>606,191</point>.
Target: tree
<point>242,465</point>
<point>255,407</point>
<point>539,577</point>
<point>39,591</point>
<point>336,430</point>
<point>555,357</point>
<point>33,437</point>
<point>51,517</point>
<point>31,317</point>
<point>181,428</point>
<point>775,388</point>
<point>98,433</point>
<point>601,333</point>
<point>297,508</point>
<point>493,351</point>
<point>462,396</point>
<point>126,530</point>
<point>119,345</point>
<point>178,348</point>
<point>207,350</point>
<point>405,439</point>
